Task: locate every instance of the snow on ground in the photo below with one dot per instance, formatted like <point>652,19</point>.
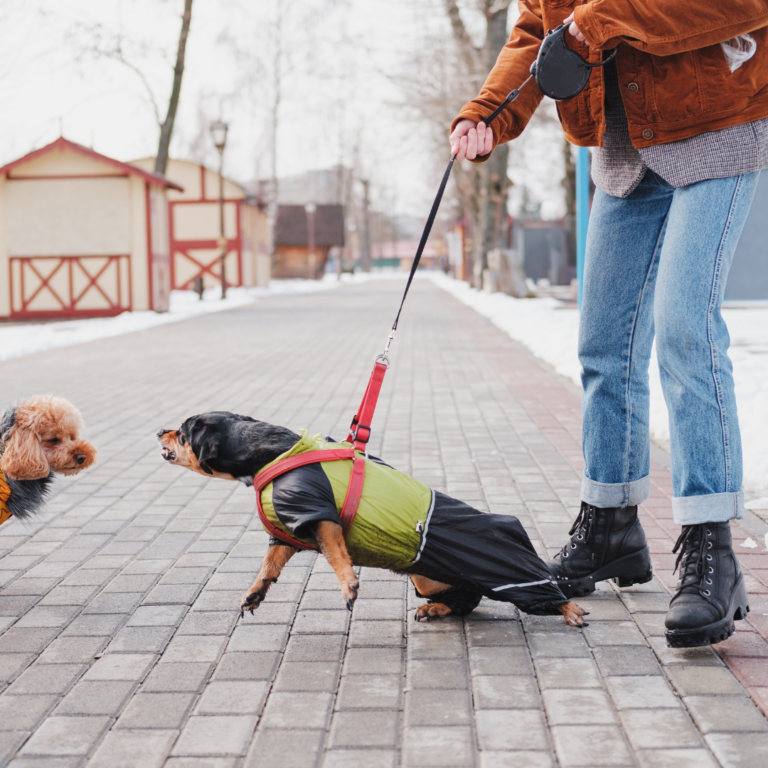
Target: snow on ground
<point>28,338</point>
<point>550,331</point>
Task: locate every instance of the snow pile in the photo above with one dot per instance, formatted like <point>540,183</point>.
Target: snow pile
<point>28,338</point>
<point>550,331</point>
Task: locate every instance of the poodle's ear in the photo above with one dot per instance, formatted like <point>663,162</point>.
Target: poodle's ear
<point>203,440</point>
<point>23,457</point>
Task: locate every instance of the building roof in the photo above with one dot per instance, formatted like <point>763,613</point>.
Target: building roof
<point>61,143</point>
<point>292,225</point>
<point>176,168</point>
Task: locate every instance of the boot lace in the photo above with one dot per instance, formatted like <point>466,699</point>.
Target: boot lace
<point>692,559</point>
<point>581,530</point>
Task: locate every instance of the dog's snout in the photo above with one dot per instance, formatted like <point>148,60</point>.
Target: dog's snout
<point>162,432</point>
<point>80,458</point>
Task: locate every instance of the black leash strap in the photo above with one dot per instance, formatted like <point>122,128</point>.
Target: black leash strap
<point>436,205</point>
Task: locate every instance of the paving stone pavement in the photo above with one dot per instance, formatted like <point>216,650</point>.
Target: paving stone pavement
<point>120,642</point>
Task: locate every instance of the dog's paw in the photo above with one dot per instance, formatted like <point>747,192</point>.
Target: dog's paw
<point>573,615</point>
<point>253,598</point>
<point>349,592</point>
<point>429,611</point>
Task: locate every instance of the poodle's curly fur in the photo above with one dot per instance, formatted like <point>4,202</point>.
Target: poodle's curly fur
<point>39,436</point>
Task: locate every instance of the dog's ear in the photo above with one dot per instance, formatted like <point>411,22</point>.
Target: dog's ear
<point>204,440</point>
<point>23,457</point>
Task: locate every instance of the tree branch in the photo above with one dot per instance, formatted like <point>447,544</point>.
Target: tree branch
<point>499,5</point>
<point>467,50</point>
<point>105,45</point>
<point>118,56</point>
<point>166,129</point>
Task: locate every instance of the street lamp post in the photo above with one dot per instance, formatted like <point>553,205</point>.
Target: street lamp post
<point>310,208</point>
<point>219,133</point>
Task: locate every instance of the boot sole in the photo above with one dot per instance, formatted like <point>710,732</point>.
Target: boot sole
<point>719,630</point>
<point>626,572</point>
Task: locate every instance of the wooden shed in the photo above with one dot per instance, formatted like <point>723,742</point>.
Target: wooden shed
<point>81,235</point>
<point>195,229</point>
<point>304,236</point>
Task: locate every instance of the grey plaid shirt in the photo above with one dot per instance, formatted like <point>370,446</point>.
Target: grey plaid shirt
<point>618,167</point>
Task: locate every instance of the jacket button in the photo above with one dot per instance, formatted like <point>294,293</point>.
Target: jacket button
<point>647,133</point>
<point>633,87</point>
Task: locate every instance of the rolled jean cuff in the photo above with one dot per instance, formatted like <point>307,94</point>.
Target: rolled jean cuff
<point>615,494</point>
<point>712,508</point>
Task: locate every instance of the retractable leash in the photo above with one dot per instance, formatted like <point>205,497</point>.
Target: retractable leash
<point>560,74</point>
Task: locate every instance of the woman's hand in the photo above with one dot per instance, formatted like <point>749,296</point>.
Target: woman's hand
<point>575,31</point>
<point>470,139</point>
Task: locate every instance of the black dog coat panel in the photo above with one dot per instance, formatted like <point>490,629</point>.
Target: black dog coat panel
<point>461,546</point>
<point>488,553</point>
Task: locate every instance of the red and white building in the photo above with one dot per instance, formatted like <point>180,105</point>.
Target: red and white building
<point>82,235</point>
<point>195,229</point>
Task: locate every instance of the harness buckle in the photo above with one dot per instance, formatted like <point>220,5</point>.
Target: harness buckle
<point>357,430</point>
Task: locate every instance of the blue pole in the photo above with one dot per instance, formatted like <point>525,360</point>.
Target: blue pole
<point>582,212</point>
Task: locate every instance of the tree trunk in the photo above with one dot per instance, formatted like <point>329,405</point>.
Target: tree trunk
<point>166,129</point>
<point>569,183</point>
<point>483,187</point>
<point>494,179</point>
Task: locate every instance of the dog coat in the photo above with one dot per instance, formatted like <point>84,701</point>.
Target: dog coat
<point>405,526</point>
<point>5,494</point>
<point>392,516</point>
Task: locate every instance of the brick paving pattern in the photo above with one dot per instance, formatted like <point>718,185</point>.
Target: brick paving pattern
<point>120,642</point>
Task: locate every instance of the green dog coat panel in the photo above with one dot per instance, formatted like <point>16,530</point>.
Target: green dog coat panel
<point>392,517</point>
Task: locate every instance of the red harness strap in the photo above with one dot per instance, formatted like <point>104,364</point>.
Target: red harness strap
<point>351,501</point>
<point>360,431</point>
<point>359,434</point>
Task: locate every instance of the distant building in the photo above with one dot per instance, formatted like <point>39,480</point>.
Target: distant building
<point>195,229</point>
<point>543,248</point>
<point>326,186</point>
<point>82,235</point>
<point>304,237</point>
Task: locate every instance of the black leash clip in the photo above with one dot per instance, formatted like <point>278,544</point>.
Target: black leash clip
<point>560,72</point>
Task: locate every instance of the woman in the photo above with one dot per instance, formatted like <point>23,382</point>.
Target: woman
<point>679,122</point>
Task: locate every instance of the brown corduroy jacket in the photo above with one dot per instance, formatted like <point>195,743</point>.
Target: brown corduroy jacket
<point>674,78</point>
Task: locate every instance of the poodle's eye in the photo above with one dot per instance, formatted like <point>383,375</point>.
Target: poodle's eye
<point>181,440</point>
<point>53,441</point>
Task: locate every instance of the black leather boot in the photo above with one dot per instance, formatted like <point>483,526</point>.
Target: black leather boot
<point>606,543</point>
<point>711,593</point>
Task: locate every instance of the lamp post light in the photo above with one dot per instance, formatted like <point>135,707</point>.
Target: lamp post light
<point>310,208</point>
<point>219,133</point>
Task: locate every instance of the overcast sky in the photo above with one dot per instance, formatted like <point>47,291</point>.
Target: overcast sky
<point>341,60</point>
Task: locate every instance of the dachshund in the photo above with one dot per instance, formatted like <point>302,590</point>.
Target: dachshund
<point>453,554</point>
<point>39,436</point>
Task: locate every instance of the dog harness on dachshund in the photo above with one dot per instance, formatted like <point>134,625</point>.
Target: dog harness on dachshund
<point>5,494</point>
<point>384,513</point>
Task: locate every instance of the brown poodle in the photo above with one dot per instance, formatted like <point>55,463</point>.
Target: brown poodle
<point>38,436</point>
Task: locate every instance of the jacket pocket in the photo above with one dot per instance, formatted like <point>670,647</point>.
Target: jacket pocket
<point>676,86</point>
<point>723,90</point>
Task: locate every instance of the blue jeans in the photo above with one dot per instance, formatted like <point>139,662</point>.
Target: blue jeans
<point>657,262</point>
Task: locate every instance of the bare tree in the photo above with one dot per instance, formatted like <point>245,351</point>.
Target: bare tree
<point>569,190</point>
<point>102,43</point>
<point>277,96</point>
<point>482,188</point>
<point>166,128</point>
